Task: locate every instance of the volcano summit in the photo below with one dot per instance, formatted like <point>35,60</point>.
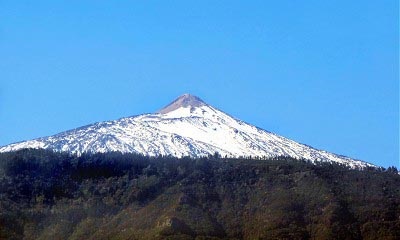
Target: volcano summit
<point>186,127</point>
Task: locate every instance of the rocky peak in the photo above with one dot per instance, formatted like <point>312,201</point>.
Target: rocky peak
<point>185,100</point>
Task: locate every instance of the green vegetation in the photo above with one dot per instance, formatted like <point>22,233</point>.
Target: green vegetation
<point>46,195</point>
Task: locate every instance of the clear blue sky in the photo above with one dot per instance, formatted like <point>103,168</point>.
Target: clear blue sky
<point>324,73</point>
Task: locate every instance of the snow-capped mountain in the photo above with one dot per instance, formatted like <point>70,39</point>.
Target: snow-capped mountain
<point>186,127</point>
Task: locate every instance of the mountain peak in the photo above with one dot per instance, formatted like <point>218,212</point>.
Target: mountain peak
<point>186,127</point>
<point>185,100</point>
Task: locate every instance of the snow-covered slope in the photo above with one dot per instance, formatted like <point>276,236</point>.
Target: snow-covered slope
<point>186,127</point>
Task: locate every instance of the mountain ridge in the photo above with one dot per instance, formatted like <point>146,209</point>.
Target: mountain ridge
<point>186,127</point>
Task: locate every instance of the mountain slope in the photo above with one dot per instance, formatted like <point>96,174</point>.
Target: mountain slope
<point>186,127</point>
<point>49,195</point>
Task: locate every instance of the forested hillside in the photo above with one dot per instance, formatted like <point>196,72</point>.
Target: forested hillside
<point>46,195</point>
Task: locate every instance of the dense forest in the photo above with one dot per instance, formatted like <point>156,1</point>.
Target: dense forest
<point>47,195</point>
